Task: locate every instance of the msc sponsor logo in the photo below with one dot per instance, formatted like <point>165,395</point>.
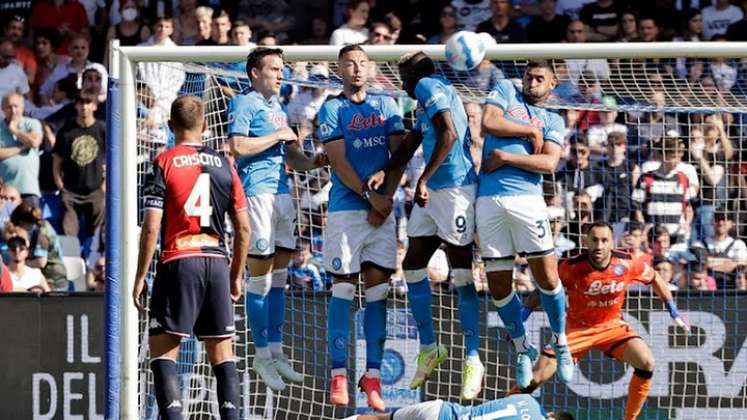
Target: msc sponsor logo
<point>364,122</point>
<point>369,142</point>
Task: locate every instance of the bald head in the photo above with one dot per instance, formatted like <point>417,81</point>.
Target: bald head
<point>187,114</point>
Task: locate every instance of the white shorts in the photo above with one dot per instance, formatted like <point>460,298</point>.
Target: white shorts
<point>273,222</point>
<point>512,224</point>
<point>449,214</point>
<point>349,241</point>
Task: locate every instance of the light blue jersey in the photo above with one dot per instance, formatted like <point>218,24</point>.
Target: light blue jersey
<point>252,115</point>
<point>514,407</point>
<point>509,180</point>
<point>436,94</point>
<point>365,127</point>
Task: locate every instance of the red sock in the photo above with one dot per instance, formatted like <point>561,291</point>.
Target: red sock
<point>638,390</point>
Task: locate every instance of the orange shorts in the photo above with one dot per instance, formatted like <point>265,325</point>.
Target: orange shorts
<point>610,339</point>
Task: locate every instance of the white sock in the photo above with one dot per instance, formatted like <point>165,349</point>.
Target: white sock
<point>373,373</point>
<point>276,349</point>
<point>339,371</point>
<point>263,352</point>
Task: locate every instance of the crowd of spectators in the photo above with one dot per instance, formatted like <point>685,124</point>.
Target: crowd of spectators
<point>669,182</point>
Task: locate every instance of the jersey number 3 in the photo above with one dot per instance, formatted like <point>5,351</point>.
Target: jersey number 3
<point>198,202</point>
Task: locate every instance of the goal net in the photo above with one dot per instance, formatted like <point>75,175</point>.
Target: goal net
<point>634,100</point>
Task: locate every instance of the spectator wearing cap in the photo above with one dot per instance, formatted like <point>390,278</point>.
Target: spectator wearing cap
<point>663,196</point>
<point>78,167</point>
<point>617,176</point>
<point>68,17</point>
<point>304,106</point>
<point>737,31</point>
<point>717,18</point>
<point>24,278</point>
<point>220,29</point>
<point>14,30</point>
<point>44,245</point>
<point>598,133</point>
<point>602,18</point>
<point>500,25</point>
<point>45,42</point>
<point>548,26</point>
<point>448,22</point>
<point>725,255</point>
<point>354,31</point>
<point>577,32</point>
<point>79,50</point>
<point>12,77</point>
<point>20,138</point>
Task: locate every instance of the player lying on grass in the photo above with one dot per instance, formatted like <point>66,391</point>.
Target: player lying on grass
<point>523,140</point>
<point>514,407</point>
<point>445,213</point>
<point>597,281</point>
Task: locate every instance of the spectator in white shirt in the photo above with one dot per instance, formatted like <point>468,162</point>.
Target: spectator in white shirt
<point>24,278</point>
<point>304,106</point>
<point>355,30</point>
<point>597,133</point>
<point>578,33</point>
<point>718,17</point>
<point>723,253</point>
<point>12,76</point>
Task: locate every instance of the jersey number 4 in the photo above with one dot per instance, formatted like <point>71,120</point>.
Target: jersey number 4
<point>198,202</point>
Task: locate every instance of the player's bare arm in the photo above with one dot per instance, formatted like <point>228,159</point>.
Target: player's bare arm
<point>401,155</point>
<point>335,151</point>
<point>445,139</point>
<point>662,290</point>
<point>494,122</point>
<point>241,146</point>
<point>299,161</point>
<point>148,239</point>
<point>242,233</point>
<point>544,162</point>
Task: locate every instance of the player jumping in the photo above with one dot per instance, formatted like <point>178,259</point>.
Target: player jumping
<point>191,188</point>
<point>358,131</point>
<point>523,141</point>
<point>445,194</point>
<point>597,281</point>
<point>262,143</point>
<point>514,407</point>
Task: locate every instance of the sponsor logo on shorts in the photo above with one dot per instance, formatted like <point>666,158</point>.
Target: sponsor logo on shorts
<point>230,328</point>
<point>619,270</point>
<point>336,263</point>
<point>262,244</point>
<point>228,405</point>
<point>174,404</point>
<point>339,343</point>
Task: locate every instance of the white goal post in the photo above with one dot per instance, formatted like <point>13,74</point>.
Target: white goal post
<point>122,382</point>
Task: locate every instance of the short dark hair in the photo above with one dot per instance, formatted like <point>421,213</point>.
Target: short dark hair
<point>353,4</point>
<point>221,13</point>
<point>239,23</point>
<point>598,224</point>
<point>26,213</point>
<point>166,17</point>
<point>348,48</point>
<point>635,225</point>
<point>419,64</point>
<point>87,95</point>
<point>50,34</point>
<point>254,59</point>
<point>186,113</point>
<point>540,64</point>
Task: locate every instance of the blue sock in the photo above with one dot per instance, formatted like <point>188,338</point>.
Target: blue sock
<point>374,329</point>
<point>419,295</point>
<point>256,311</point>
<point>338,318</point>
<point>510,314</point>
<point>227,387</point>
<point>553,302</point>
<point>276,314</point>
<point>469,317</point>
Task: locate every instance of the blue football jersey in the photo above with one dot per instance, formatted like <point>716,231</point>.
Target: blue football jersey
<point>436,94</point>
<point>365,128</point>
<point>509,180</point>
<point>514,407</point>
<point>252,115</point>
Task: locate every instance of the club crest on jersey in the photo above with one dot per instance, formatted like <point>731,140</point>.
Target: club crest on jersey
<point>231,117</point>
<point>362,122</point>
<point>339,343</point>
<point>262,244</point>
<point>325,129</point>
<point>336,263</point>
<point>619,270</point>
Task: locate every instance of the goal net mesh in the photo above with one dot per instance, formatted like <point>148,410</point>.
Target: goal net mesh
<point>697,376</point>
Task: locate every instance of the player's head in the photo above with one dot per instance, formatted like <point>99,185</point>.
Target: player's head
<point>560,416</point>
<point>264,66</point>
<point>599,240</point>
<point>539,81</point>
<point>187,119</point>
<point>353,64</point>
<point>412,68</point>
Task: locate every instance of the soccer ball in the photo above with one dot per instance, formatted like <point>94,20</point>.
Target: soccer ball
<point>465,50</point>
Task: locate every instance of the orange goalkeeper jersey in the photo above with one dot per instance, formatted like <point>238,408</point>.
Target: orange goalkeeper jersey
<point>596,297</point>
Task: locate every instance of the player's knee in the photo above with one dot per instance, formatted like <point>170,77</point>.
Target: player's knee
<point>259,285</point>
<point>647,364</point>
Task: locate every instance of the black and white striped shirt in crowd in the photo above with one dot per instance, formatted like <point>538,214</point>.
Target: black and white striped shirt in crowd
<point>663,199</point>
